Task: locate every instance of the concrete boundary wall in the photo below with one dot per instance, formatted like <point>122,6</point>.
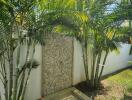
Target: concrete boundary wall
<point>114,63</point>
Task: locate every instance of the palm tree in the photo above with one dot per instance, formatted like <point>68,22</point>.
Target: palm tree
<point>98,34</point>
<point>26,22</point>
<point>99,24</point>
<point>100,31</point>
<point>93,38</point>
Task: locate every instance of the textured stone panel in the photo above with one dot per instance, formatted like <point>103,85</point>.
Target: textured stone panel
<point>57,58</point>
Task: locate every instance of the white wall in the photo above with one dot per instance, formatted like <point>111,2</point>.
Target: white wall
<point>118,61</point>
<point>33,91</point>
<point>34,85</point>
<point>78,68</point>
<point>114,62</point>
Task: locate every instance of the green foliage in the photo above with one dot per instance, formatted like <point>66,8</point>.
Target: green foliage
<point>35,64</point>
<point>25,23</point>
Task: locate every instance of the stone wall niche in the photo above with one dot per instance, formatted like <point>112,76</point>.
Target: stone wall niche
<point>57,63</point>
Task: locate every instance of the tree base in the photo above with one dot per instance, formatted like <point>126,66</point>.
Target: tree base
<point>84,86</point>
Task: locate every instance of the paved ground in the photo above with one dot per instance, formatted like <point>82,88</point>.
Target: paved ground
<point>68,94</point>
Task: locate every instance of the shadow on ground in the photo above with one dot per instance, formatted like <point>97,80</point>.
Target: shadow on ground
<point>127,97</point>
<point>90,92</point>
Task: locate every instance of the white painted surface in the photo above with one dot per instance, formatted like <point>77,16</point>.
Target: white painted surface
<point>33,91</point>
<point>114,62</point>
<point>78,68</point>
<point>117,61</point>
<point>34,86</point>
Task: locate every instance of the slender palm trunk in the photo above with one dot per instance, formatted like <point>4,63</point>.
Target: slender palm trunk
<point>86,64</point>
<point>97,71</point>
<point>6,80</point>
<point>93,68</point>
<point>24,88</point>
<point>0,97</point>
<point>16,74</point>
<point>6,90</point>
<point>3,77</point>
<point>22,75</point>
<point>106,54</point>
<point>11,72</point>
<point>85,61</point>
<point>11,77</point>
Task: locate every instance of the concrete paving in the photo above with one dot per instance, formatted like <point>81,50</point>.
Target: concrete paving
<point>68,94</point>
